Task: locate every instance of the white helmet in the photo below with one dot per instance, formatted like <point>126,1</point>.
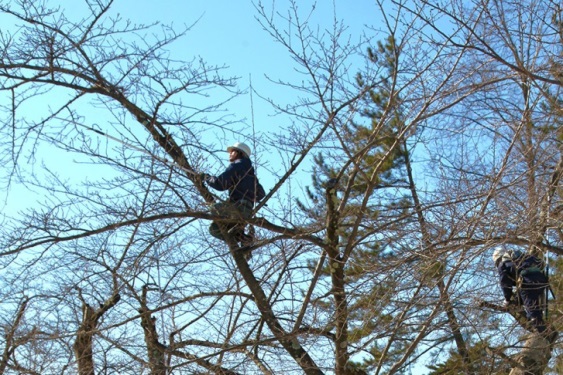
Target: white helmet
<point>505,255</point>
<point>497,254</point>
<point>241,147</point>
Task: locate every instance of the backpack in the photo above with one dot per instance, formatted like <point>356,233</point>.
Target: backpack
<point>530,264</point>
<point>530,270</point>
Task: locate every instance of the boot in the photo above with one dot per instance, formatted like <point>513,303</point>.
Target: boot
<point>245,240</point>
<point>538,325</point>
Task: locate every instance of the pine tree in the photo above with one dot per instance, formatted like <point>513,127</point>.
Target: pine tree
<point>358,197</point>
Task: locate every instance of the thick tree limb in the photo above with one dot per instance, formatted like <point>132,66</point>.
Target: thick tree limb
<point>83,345</point>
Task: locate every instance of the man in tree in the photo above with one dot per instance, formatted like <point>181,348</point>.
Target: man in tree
<point>244,190</point>
<point>525,272</point>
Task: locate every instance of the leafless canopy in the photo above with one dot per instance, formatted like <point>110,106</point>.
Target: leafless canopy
<point>406,154</point>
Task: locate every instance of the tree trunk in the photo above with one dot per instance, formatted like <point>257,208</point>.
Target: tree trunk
<point>337,275</point>
<point>341,315</point>
<point>83,345</point>
<point>534,357</point>
<point>155,350</point>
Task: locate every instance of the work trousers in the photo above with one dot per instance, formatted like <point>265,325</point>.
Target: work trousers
<point>531,295</point>
<point>234,213</point>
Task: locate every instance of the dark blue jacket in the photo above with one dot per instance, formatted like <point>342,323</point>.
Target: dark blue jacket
<point>528,267</point>
<point>240,180</point>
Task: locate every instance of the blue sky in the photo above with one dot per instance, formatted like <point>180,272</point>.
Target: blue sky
<point>226,33</point>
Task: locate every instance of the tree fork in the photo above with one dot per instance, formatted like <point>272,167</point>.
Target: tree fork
<point>83,346</point>
<point>155,350</point>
